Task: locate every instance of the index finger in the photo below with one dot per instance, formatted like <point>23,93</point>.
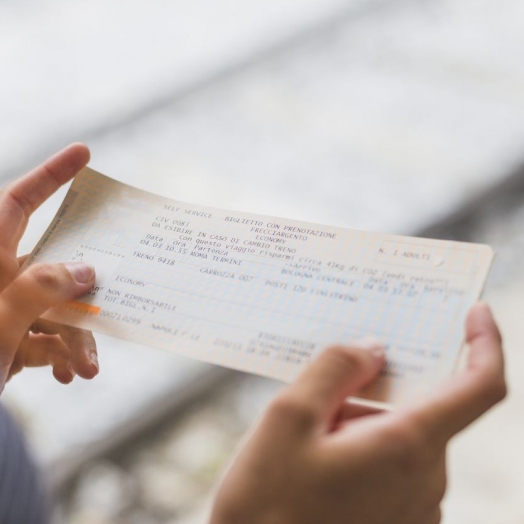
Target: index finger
<point>319,391</point>
<point>21,197</point>
<point>469,394</point>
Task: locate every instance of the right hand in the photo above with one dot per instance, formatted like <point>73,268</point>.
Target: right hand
<point>316,459</point>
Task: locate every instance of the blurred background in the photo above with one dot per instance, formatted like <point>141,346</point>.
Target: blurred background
<point>402,116</point>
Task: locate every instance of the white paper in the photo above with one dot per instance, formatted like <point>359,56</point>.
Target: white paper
<point>263,294</point>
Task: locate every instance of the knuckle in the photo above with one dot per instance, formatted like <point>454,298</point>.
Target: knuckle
<point>46,277</point>
<point>409,446</point>
<point>23,203</point>
<point>285,408</point>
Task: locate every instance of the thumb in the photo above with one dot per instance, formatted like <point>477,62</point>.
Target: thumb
<point>338,372</point>
<point>33,292</point>
<point>472,392</point>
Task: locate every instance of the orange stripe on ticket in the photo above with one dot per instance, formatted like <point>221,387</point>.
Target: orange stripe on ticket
<point>83,308</point>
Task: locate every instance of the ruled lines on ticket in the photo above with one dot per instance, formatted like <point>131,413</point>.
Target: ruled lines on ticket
<point>263,294</point>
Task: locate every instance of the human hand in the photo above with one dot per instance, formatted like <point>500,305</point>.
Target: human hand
<point>26,340</point>
<point>314,458</point>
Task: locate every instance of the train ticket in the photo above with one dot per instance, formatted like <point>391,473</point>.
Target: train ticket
<point>263,294</point>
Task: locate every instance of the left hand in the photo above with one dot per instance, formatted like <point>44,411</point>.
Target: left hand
<point>316,458</point>
<point>26,340</point>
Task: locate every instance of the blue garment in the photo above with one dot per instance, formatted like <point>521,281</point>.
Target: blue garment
<point>23,498</point>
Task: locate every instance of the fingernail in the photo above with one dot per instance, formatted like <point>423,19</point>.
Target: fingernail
<point>371,344</point>
<point>94,361</point>
<point>80,271</point>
